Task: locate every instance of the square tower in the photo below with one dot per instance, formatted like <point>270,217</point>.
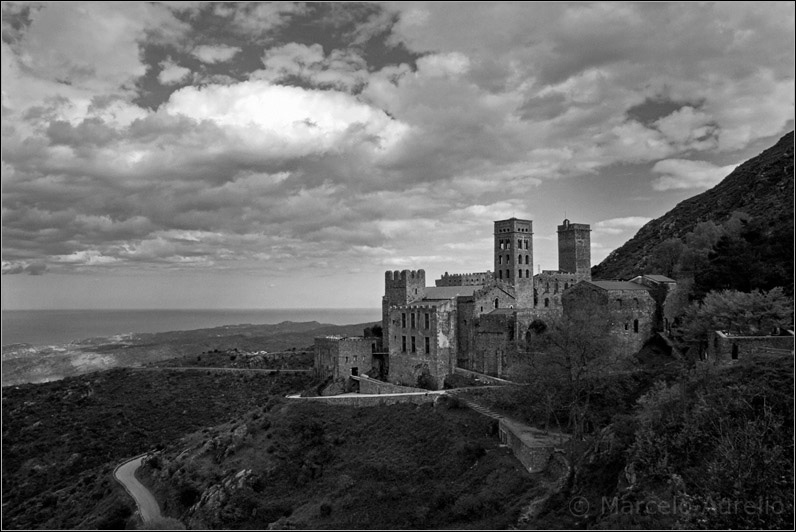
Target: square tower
<point>514,253</point>
<point>574,248</point>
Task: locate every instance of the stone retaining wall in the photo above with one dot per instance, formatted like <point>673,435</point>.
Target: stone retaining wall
<point>372,386</point>
<point>373,400</point>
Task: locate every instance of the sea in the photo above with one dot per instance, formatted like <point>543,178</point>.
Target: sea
<point>48,327</point>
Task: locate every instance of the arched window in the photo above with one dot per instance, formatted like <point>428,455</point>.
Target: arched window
<point>635,302</point>
<point>556,287</point>
<point>497,302</point>
<point>546,302</point>
<point>500,259</point>
<point>500,274</point>
<point>520,274</point>
<point>619,303</point>
<point>508,274</point>
<point>528,274</point>
<point>501,243</point>
<point>635,326</point>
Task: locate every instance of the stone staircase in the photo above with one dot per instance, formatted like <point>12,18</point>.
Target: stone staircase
<point>475,406</point>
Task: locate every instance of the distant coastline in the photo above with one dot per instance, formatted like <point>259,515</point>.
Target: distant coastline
<point>48,327</point>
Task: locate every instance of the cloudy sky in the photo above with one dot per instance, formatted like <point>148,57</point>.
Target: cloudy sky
<point>257,155</point>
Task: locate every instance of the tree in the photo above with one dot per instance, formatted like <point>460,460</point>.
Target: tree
<point>666,257</point>
<point>578,348</point>
<point>741,313</point>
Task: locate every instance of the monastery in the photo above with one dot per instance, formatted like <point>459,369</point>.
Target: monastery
<point>480,321</point>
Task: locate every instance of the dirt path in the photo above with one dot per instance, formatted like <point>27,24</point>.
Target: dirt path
<point>147,505</point>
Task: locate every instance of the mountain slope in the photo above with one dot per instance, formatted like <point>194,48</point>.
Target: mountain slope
<point>761,187</point>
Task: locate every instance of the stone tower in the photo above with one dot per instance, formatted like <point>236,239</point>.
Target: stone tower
<point>514,255</point>
<point>400,288</point>
<point>574,249</point>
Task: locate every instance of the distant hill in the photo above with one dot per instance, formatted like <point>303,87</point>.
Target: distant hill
<point>762,187</point>
<point>26,363</point>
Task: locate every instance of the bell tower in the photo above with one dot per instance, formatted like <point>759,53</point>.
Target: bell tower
<point>514,255</point>
<point>574,249</point>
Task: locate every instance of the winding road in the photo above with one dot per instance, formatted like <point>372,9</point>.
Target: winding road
<point>147,505</point>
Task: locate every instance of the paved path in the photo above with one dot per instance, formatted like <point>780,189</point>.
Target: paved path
<point>197,368</point>
<point>147,505</point>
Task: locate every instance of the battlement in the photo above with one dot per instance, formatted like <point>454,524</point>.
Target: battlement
<point>464,279</point>
<point>400,278</point>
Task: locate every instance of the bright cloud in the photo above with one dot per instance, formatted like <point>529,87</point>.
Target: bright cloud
<point>172,73</point>
<point>687,174</point>
<point>168,137</point>
<point>215,54</point>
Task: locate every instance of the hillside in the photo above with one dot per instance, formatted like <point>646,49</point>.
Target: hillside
<point>294,465</point>
<point>762,187</point>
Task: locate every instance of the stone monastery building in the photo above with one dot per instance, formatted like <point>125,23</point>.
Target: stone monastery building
<point>474,321</point>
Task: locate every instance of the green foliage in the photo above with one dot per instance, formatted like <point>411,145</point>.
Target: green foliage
<point>86,425</point>
<point>750,314</point>
<point>727,439</point>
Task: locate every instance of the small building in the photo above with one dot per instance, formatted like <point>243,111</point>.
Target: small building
<point>726,347</point>
<point>342,356</point>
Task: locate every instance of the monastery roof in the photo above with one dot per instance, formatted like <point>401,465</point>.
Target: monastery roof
<point>618,285</point>
<point>659,278</point>
<point>449,292</point>
<point>499,311</point>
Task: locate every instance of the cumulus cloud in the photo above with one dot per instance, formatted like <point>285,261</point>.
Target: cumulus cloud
<point>250,166</point>
<point>616,226</point>
<point>172,73</point>
<point>687,174</point>
<point>215,54</point>
<point>341,69</point>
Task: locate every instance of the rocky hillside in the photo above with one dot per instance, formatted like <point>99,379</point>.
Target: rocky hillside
<point>762,187</point>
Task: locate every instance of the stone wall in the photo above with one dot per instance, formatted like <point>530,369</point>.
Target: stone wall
<point>464,279</point>
<point>494,336</point>
<point>725,348</point>
<point>341,356</point>
<point>372,400</point>
<point>435,359</point>
<point>534,456</point>
<point>374,387</point>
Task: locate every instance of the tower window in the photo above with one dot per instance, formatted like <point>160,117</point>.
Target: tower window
<point>403,321</point>
<point>403,344</point>
<point>428,344</point>
<point>546,302</point>
<point>427,321</point>
<point>619,303</point>
<point>413,319</point>
<point>520,276</point>
<point>635,326</point>
<point>500,274</point>
<point>519,243</point>
<point>528,273</point>
<point>497,302</point>
<point>527,259</point>
<point>500,259</point>
<point>414,347</point>
<point>508,274</point>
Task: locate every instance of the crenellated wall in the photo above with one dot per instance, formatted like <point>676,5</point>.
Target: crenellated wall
<point>464,279</point>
